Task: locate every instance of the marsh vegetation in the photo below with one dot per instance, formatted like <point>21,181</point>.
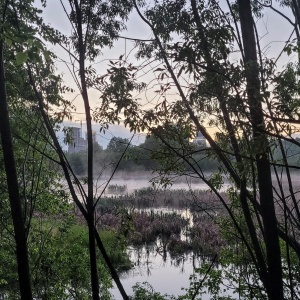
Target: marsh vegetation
<point>207,69</point>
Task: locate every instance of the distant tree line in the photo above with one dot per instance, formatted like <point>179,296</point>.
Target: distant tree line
<point>144,157</point>
<point>149,155</point>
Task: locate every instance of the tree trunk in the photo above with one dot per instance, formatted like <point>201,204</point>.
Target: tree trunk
<point>13,189</point>
<point>275,282</point>
<point>90,196</point>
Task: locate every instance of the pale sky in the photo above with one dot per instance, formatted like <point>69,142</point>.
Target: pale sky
<point>54,15</point>
<point>273,31</point>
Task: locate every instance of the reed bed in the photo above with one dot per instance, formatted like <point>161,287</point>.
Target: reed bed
<point>136,217</point>
<point>175,233</point>
<point>205,235</point>
<point>196,200</point>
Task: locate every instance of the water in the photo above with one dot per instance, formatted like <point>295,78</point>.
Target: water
<point>164,274</point>
<point>139,182</point>
<point>136,181</point>
<point>134,184</point>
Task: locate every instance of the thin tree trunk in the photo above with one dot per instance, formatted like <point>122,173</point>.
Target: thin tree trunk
<point>275,283</point>
<point>261,266</point>
<point>90,196</point>
<point>64,166</point>
<point>13,189</point>
<point>112,270</point>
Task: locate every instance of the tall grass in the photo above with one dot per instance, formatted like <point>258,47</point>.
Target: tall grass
<point>133,216</point>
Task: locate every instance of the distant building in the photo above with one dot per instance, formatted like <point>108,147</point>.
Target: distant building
<point>199,140</point>
<point>77,142</point>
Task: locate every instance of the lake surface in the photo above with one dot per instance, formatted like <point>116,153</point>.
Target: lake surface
<point>139,183</point>
<point>164,274</point>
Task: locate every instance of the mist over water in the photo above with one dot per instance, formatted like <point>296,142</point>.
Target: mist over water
<point>135,180</point>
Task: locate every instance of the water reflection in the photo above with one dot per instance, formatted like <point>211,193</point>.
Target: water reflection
<point>167,275</point>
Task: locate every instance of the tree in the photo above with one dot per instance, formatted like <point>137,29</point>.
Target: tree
<point>78,163</point>
<point>13,188</point>
<point>10,32</point>
<point>95,24</point>
<point>252,103</point>
<point>26,60</point>
<point>117,144</point>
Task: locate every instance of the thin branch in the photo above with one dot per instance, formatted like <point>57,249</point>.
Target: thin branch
<point>204,278</point>
<point>114,171</point>
<point>136,40</point>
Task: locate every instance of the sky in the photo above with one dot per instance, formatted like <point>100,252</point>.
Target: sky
<point>103,138</point>
<point>53,14</point>
<point>273,32</point>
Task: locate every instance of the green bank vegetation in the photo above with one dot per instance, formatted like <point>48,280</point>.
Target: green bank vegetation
<point>209,68</point>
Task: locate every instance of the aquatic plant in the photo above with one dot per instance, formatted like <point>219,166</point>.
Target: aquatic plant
<point>151,225</point>
<point>195,200</point>
<point>111,221</point>
<point>143,227</point>
<point>177,246</point>
<point>116,189</point>
<point>205,236</point>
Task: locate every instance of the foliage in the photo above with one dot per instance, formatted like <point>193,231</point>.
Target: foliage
<point>148,156</point>
<point>145,292</point>
<point>251,100</point>
<point>58,249</point>
<point>211,71</point>
<point>78,163</point>
<point>117,144</point>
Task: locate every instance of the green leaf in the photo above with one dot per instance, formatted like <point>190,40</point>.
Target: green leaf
<point>21,57</point>
<point>8,41</point>
<point>47,55</point>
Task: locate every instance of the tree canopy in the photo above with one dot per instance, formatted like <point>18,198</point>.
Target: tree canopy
<point>210,68</point>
